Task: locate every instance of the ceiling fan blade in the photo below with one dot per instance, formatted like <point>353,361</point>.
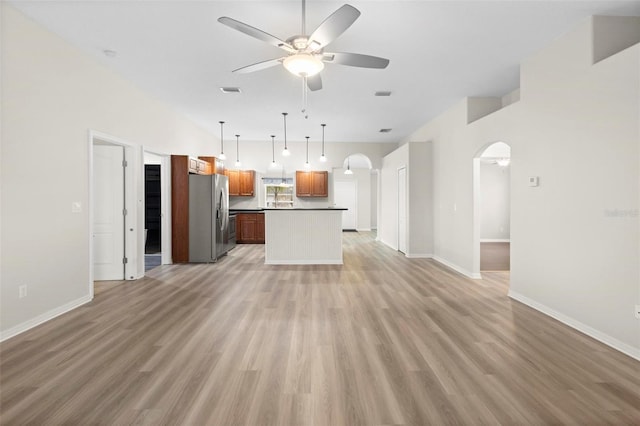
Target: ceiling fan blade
<point>256,33</point>
<point>314,82</point>
<point>259,66</point>
<point>333,26</point>
<point>355,60</point>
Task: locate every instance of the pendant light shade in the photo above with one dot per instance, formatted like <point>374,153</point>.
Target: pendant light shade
<point>222,156</point>
<point>238,163</point>
<point>348,171</point>
<point>285,151</point>
<point>273,152</point>
<point>306,164</point>
<point>322,157</point>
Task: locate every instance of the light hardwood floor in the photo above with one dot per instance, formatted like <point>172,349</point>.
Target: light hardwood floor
<point>381,340</point>
<point>495,256</point>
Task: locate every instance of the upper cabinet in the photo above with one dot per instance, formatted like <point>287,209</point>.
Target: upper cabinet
<point>312,184</point>
<point>199,166</point>
<point>241,182</point>
<point>216,165</point>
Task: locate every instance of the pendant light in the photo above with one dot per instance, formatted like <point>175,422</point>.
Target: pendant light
<point>348,171</point>
<point>222,156</point>
<point>322,157</point>
<point>285,151</point>
<point>238,163</point>
<point>307,165</point>
<point>273,152</point>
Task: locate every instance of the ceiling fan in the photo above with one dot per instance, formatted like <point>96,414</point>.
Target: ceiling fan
<point>306,56</point>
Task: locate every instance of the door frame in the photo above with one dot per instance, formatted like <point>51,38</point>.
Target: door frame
<point>406,209</point>
<point>476,273</point>
<point>132,220</point>
<point>165,204</point>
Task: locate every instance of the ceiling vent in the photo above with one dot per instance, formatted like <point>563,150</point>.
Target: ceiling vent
<point>230,89</point>
<point>383,93</point>
<point>385,130</point>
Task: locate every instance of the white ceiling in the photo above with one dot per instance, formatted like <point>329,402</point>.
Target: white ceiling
<point>440,52</point>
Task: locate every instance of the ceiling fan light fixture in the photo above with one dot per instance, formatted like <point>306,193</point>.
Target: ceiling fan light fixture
<point>503,162</point>
<point>303,64</point>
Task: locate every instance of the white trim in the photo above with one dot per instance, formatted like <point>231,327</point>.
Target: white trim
<point>495,240</point>
<point>581,327</point>
<point>134,221</point>
<point>457,268</point>
<point>418,256</point>
<point>47,316</point>
<point>363,229</point>
<point>387,244</point>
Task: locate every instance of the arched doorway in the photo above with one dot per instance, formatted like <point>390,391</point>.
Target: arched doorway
<point>492,208</point>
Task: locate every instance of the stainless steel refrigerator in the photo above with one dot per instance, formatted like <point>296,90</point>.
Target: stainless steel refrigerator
<point>208,218</point>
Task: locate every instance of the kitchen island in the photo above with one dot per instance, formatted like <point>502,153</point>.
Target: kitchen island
<point>303,236</point>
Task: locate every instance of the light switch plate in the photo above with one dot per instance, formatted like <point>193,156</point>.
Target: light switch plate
<point>76,207</point>
<point>534,180</point>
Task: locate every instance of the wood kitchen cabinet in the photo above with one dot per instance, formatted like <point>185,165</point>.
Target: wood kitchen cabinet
<point>199,166</point>
<point>180,208</point>
<point>241,182</point>
<point>250,228</point>
<point>216,164</point>
<point>312,184</point>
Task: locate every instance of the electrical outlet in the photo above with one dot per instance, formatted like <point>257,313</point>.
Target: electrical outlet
<point>22,291</point>
<point>637,311</point>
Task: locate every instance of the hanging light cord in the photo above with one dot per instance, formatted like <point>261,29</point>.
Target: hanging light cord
<point>237,148</point>
<point>284,116</point>
<point>221,137</point>
<point>273,149</point>
<point>307,149</point>
<point>323,125</point>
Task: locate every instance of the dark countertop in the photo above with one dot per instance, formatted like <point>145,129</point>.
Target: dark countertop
<point>263,209</point>
<point>256,210</point>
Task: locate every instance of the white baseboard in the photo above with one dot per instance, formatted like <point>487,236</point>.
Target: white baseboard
<point>583,328</point>
<point>457,268</point>
<point>418,256</point>
<point>495,240</point>
<point>388,245</point>
<point>363,229</point>
<point>27,325</point>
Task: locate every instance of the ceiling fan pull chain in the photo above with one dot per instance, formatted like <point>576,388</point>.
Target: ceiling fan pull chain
<point>304,97</point>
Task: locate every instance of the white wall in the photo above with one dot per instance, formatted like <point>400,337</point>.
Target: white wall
<point>420,238</point>
<point>51,96</point>
<point>495,202</point>
<point>574,239</point>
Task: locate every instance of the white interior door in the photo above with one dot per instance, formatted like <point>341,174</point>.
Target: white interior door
<point>402,210</point>
<point>345,194</point>
<point>108,212</point>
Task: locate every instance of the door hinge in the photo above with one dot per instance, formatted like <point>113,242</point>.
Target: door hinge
<point>124,212</point>
<point>125,260</point>
<point>124,163</point>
